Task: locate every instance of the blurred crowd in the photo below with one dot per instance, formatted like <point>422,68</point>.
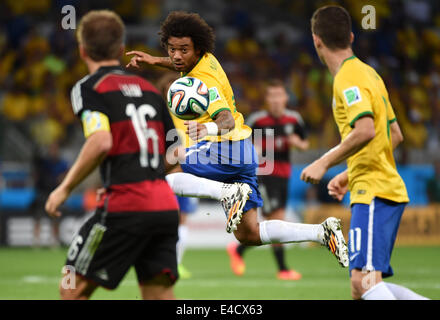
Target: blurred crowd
<point>256,40</point>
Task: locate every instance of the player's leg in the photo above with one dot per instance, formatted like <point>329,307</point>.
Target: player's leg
<point>189,185</point>
<point>158,288</point>
<point>254,233</point>
<point>274,192</point>
<point>156,265</point>
<point>205,176</point>
<point>103,251</point>
<point>81,290</point>
<point>365,278</point>
<point>372,234</point>
<point>237,263</point>
<point>250,232</point>
<point>328,233</point>
<point>284,273</point>
<point>74,285</point>
<point>402,293</point>
<point>235,251</point>
<point>183,234</point>
<point>233,196</point>
<point>278,249</point>
<point>188,180</point>
<point>368,285</point>
<point>187,206</point>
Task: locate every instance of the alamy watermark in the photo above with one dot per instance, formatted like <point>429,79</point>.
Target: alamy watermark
<point>369,278</point>
<point>68,22</point>
<point>369,19</point>
<point>226,152</point>
<point>68,282</point>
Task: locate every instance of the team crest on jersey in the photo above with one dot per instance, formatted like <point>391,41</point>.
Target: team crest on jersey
<point>213,94</point>
<point>352,95</point>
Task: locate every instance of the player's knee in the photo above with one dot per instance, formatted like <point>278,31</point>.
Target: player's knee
<point>82,290</point>
<point>356,288</point>
<point>158,288</point>
<point>249,237</point>
<point>68,294</point>
<point>248,231</point>
<point>164,295</point>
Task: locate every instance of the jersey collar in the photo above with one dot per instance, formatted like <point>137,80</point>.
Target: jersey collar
<point>345,60</point>
<point>349,58</point>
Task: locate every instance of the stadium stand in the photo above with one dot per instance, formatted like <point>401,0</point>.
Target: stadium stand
<point>39,64</point>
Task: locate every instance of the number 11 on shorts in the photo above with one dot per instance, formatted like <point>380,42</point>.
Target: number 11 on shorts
<point>352,234</point>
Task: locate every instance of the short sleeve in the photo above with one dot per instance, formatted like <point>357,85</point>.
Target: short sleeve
<point>89,107</point>
<point>356,100</point>
<point>391,116</point>
<point>85,98</point>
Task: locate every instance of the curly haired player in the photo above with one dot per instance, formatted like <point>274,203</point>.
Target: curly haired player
<point>222,136</point>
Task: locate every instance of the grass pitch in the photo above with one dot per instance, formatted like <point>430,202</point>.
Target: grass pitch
<point>27,273</point>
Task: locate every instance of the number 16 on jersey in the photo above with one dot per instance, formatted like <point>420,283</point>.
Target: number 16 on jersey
<point>143,133</point>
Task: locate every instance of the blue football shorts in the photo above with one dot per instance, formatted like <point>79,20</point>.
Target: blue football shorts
<point>373,230</point>
<point>187,205</point>
<point>226,161</point>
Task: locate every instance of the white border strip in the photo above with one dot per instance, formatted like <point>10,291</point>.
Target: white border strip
<point>369,265</point>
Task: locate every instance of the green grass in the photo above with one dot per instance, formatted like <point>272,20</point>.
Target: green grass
<point>35,273</point>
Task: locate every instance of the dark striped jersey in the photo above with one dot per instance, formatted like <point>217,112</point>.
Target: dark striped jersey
<point>133,171</point>
<point>280,129</point>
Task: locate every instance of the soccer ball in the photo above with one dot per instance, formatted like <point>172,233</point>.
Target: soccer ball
<point>188,98</point>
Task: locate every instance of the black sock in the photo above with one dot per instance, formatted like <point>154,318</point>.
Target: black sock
<point>278,251</point>
<point>241,248</point>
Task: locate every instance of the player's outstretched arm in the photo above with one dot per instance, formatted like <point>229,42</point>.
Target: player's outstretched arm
<point>94,151</point>
<point>139,56</point>
<point>362,133</point>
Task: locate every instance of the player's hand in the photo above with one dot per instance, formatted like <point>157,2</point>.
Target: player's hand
<point>314,172</point>
<point>338,186</point>
<point>100,193</point>
<point>56,198</point>
<point>295,140</point>
<point>195,130</point>
<point>139,56</point>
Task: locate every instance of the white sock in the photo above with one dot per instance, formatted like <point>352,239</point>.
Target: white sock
<point>378,292</point>
<point>402,293</point>
<point>181,244</point>
<point>278,231</point>
<point>188,185</point>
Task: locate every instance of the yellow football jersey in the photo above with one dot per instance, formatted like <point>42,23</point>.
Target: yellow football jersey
<point>359,91</point>
<point>221,97</point>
